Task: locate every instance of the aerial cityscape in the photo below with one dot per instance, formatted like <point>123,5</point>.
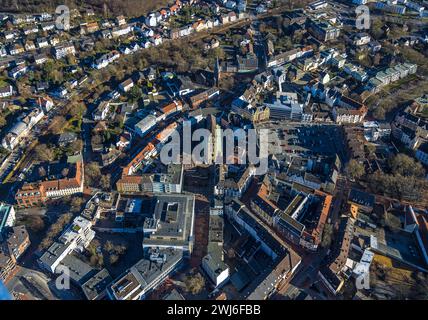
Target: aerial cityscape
<point>214,150</point>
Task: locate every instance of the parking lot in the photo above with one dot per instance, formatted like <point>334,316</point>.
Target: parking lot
<point>304,138</point>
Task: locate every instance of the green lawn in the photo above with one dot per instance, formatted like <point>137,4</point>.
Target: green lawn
<point>74,125</point>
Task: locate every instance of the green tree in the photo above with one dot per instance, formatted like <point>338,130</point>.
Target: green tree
<point>135,93</point>
<point>58,124</point>
<point>406,166</point>
<point>327,235</point>
<point>76,204</point>
<point>76,146</point>
<point>2,121</point>
<point>195,283</point>
<point>354,169</point>
<point>34,223</point>
<point>370,148</point>
<point>105,182</point>
<point>93,174</point>
<point>43,153</point>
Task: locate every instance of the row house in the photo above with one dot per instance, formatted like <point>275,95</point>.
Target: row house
<point>47,26</point>
<point>284,57</point>
<point>20,18</point>
<point>120,31</point>
<point>145,154</point>
<point>40,58</point>
<point>105,60</point>
<point>349,111</point>
<point>171,108</point>
<point>356,72</point>
<point>6,91</point>
<point>42,43</point>
<point>16,49</point>
<point>204,96</point>
<point>29,45</point>
<point>384,78</point>
<point>16,243</point>
<point>18,71</point>
<point>384,6</point>
<point>31,30</point>
<point>237,186</point>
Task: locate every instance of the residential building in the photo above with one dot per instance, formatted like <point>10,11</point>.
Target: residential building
<point>106,59</point>
<point>204,96</point>
<point>322,30</point>
<point>422,153</point>
<point>7,218</point>
<point>349,111</point>
<point>37,193</point>
<point>101,112</point>
<point>6,91</point>
<point>126,85</point>
<point>142,127</point>
<point>64,50</point>
<point>21,128</point>
<point>15,243</point>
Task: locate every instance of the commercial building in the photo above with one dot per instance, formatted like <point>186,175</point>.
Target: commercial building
<point>95,288</point>
<point>170,181</point>
<point>213,263</point>
<point>76,237</point>
<point>284,260</point>
<point>171,225</point>
<point>146,274</point>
